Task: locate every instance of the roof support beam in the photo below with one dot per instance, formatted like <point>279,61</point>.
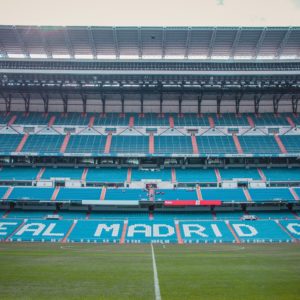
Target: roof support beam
<point>92,42</point>
<point>180,104</point>
<point>7,100</point>
<point>115,37</point>
<point>295,100</point>
<point>21,42</point>
<point>199,102</point>
<point>140,44</point>
<point>212,43</point>
<point>187,43</point>
<point>65,99</point>
<point>26,98</point>
<point>260,42</point>
<point>276,100</point>
<point>238,98</point>
<point>46,102</point>
<point>283,42</point>
<point>257,98</point>
<point>103,100</point>
<point>219,100</point>
<point>163,43</point>
<point>68,43</point>
<point>84,101</point>
<point>142,103</point>
<point>161,100</point>
<point>123,103</point>
<point>235,42</point>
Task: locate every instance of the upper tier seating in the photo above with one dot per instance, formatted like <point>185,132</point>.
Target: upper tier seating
<point>129,144</point>
<point>86,144</point>
<point>291,143</point>
<point>9,142</point>
<point>149,119</point>
<point>43,143</point>
<point>173,145</point>
<point>216,145</point>
<point>31,193</point>
<point>259,145</point>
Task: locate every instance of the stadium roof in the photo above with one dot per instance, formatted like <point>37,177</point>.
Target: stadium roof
<point>207,43</point>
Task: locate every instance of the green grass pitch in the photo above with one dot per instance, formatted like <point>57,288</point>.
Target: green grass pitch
<point>85,271</point>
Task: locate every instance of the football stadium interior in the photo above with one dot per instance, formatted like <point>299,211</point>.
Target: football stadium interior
<point>150,135</point>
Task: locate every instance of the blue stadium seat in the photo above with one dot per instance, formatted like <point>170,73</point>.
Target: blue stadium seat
<point>231,173</point>
<point>72,173</point>
<point>126,194</point>
<point>130,144</point>
<point>78,194</point>
<point>173,145</point>
<point>291,143</point>
<point>216,145</point>
<point>43,143</point>
<point>282,174</point>
<point>225,195</point>
<point>271,194</point>
<point>195,175</point>
<point>19,173</point>
<point>108,175</point>
<point>259,144</point>
<point>31,193</point>
<point>163,175</point>
<point>175,194</point>
<point>9,142</point>
<point>86,144</point>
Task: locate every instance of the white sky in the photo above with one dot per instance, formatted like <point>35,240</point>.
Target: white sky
<point>151,12</point>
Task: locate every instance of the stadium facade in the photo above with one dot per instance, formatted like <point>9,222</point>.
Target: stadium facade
<point>129,135</point>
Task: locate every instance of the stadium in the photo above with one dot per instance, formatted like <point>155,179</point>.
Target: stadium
<point>181,143</point>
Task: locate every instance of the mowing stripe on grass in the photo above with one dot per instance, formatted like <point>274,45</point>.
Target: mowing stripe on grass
<point>156,282</point>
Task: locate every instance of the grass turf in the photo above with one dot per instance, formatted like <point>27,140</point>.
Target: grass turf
<point>85,271</point>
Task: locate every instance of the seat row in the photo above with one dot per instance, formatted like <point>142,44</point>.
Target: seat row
<point>100,196</point>
<point>150,119</point>
<point>120,175</point>
<point>130,145</point>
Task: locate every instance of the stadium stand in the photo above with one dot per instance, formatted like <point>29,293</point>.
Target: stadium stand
<point>164,151</point>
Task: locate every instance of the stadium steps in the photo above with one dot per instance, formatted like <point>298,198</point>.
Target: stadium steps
<point>131,122</point>
<point>103,193</point>
<point>211,122</point>
<point>7,193</point>
<point>91,121</point>
<point>178,234</point>
<point>12,120</point>
<point>261,174</point>
<point>173,175</point>
<point>250,121</point>
<point>199,194</point>
<point>55,193</point>
<point>108,143</point>
<point>237,144</point>
<point>151,143</point>
<point>51,121</point>
<point>286,231</point>
<point>124,231</point>
<point>291,122</point>
<point>247,194</point>
<point>65,143</point>
<point>84,174</point>
<point>40,174</point>
<point>151,216</point>
<point>296,197</point>
<point>171,122</point>
<point>194,144</point>
<point>87,217</point>
<point>280,144</point>
<point>22,142</point>
<point>237,240</point>
<point>218,175</point>
<point>64,240</point>
<point>129,173</point>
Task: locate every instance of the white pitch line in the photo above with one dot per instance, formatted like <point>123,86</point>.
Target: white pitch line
<point>156,282</point>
